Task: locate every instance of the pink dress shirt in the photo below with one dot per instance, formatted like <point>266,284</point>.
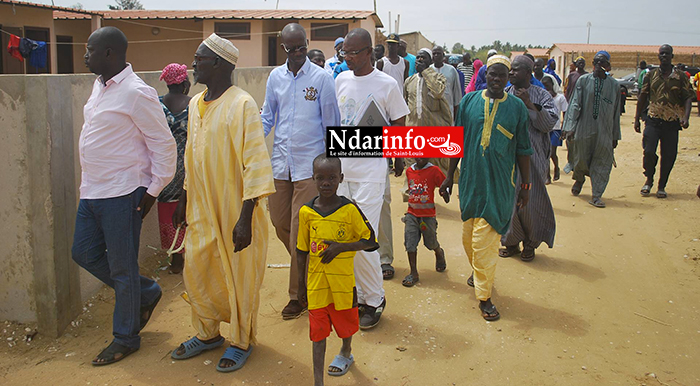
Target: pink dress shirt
<point>125,142</point>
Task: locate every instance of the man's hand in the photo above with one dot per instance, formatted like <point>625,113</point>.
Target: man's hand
<point>446,188</point>
<point>301,291</point>
<point>398,167</point>
<point>146,204</point>
<point>242,234</point>
<point>330,253</point>
<point>614,144</point>
<point>684,123</point>
<point>637,125</point>
<point>524,95</point>
<point>179,214</point>
<point>523,198</point>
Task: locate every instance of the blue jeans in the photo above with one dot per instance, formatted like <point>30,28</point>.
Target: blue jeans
<point>106,244</point>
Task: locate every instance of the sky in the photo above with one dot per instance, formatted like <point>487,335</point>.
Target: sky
<point>470,22</point>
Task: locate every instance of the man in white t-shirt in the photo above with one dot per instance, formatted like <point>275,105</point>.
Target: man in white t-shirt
<point>365,178</point>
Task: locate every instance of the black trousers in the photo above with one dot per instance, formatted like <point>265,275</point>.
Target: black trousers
<point>655,131</point>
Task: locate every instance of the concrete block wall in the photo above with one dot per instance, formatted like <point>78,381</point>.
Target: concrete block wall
<point>41,117</point>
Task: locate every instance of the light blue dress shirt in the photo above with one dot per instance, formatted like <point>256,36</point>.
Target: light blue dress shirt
<point>300,108</point>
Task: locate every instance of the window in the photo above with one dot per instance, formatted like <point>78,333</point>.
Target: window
<point>328,31</point>
<point>233,31</point>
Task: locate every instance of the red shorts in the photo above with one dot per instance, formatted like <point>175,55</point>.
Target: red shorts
<point>345,322</point>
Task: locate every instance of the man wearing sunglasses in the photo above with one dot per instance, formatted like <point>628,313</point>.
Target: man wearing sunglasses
<point>299,103</point>
<point>365,178</point>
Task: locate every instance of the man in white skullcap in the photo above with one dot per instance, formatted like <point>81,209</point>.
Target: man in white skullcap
<point>227,173</point>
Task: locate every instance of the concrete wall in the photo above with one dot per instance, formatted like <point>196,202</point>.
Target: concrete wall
<point>20,17</point>
<point>41,117</point>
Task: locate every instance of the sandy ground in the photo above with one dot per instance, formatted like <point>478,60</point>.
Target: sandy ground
<point>614,302</point>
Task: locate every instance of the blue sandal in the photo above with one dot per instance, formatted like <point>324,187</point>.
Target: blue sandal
<point>342,363</point>
<point>237,355</point>
<point>194,347</point>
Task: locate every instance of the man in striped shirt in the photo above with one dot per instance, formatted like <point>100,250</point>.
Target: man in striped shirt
<point>466,67</point>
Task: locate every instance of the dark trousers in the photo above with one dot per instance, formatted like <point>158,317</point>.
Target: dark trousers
<point>106,244</point>
<point>655,131</point>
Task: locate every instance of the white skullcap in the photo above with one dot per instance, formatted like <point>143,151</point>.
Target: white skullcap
<point>427,51</point>
<point>222,47</point>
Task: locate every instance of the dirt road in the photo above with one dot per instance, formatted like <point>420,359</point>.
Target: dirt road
<point>615,300</point>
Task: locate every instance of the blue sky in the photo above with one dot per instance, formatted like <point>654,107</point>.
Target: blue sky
<point>481,22</point>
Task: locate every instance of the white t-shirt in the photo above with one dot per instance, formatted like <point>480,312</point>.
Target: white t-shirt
<point>562,105</point>
<point>396,71</point>
<point>353,94</point>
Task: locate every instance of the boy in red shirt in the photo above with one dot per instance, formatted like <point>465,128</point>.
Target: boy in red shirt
<point>423,178</point>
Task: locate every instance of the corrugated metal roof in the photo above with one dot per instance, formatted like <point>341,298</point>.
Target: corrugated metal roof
<point>571,47</point>
<point>229,14</point>
<point>82,13</point>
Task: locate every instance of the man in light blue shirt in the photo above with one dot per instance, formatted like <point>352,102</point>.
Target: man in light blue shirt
<point>300,102</point>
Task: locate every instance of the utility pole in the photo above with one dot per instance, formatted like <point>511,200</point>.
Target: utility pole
<point>398,21</point>
<point>588,39</point>
<point>389,22</point>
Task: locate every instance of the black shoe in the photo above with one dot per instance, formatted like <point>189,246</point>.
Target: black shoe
<point>371,316</point>
<point>292,310</point>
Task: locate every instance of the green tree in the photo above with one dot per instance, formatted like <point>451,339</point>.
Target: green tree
<point>458,48</point>
<point>126,5</point>
<point>78,6</point>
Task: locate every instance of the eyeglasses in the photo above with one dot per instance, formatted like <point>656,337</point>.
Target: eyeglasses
<point>294,49</point>
<point>353,53</point>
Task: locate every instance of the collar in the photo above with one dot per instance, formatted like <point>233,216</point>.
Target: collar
<point>429,164</point>
<point>304,67</point>
<point>120,76</point>
<point>505,95</point>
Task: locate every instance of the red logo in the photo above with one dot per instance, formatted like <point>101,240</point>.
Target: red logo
<point>423,141</point>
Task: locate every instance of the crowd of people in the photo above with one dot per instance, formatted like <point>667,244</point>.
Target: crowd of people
<point>205,161</point>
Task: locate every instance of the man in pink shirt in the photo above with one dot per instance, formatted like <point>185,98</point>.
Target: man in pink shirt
<point>127,156</point>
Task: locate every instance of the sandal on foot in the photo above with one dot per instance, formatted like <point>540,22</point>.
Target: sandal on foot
<point>528,254</point>
<point>441,264</point>
<point>470,281</point>
<point>342,363</point>
<point>661,193</point>
<point>149,309</point>
<point>597,202</point>
<point>489,314</point>
<point>646,189</point>
<point>236,355</point>
<point>508,251</point>
<point>410,280</point>
<point>387,271</point>
<point>194,347</point>
<point>576,188</point>
<point>110,353</point>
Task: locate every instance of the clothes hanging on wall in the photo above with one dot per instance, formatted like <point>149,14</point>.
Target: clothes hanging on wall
<point>37,58</point>
<point>13,47</point>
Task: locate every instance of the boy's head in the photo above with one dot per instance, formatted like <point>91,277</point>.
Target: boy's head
<point>316,57</point>
<point>421,162</point>
<point>327,175</point>
<point>548,85</point>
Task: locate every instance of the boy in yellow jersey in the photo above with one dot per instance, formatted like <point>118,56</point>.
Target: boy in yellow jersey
<point>331,229</point>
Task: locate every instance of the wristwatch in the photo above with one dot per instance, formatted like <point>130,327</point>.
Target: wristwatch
<point>527,186</point>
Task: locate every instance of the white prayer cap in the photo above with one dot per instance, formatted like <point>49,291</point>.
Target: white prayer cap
<point>222,47</point>
<point>427,51</point>
<point>498,59</point>
<point>491,52</point>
